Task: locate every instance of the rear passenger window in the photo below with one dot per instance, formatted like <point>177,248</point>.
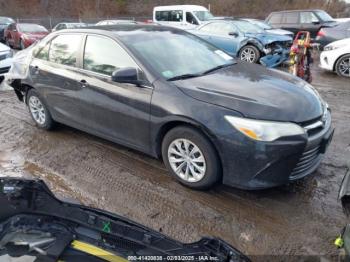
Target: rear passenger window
<point>103,55</point>
<point>275,19</point>
<point>64,49</point>
<point>291,18</point>
<point>170,16</point>
<point>308,18</point>
<point>42,52</point>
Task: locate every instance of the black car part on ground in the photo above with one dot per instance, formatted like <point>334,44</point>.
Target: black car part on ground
<point>34,221</point>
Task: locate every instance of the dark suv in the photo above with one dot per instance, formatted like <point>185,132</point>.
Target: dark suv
<point>301,20</point>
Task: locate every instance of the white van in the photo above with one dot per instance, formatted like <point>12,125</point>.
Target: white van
<point>184,16</point>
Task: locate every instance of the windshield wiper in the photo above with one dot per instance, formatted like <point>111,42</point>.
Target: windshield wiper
<point>217,68</point>
<point>185,76</point>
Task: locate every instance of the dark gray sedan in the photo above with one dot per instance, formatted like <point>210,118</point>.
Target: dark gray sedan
<point>167,93</point>
<point>328,35</point>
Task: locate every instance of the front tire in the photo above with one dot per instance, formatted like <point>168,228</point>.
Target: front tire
<point>250,54</point>
<point>190,158</point>
<point>39,111</point>
<point>342,67</point>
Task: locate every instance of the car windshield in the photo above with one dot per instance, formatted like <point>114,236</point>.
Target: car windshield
<point>247,27</point>
<point>324,16</point>
<point>203,15</point>
<point>6,20</point>
<point>261,24</point>
<point>31,28</point>
<point>174,54</point>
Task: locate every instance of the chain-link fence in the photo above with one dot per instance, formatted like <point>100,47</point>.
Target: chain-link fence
<point>51,22</point>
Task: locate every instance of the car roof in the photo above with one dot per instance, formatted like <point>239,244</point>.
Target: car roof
<point>181,7</point>
<point>121,29</point>
<point>297,10</point>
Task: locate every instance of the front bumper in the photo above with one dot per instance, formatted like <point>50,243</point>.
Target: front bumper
<point>249,164</point>
<point>326,61</point>
<point>5,65</point>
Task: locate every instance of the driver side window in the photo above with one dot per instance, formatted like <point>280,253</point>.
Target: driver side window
<point>191,19</point>
<point>104,56</point>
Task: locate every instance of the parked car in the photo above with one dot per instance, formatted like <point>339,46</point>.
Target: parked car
<point>209,117</point>
<point>336,57</point>
<point>301,20</point>
<point>268,28</point>
<point>242,39</point>
<point>328,35</point>
<point>5,60</point>
<point>62,26</point>
<point>116,22</point>
<point>22,35</point>
<point>4,22</point>
<point>182,16</point>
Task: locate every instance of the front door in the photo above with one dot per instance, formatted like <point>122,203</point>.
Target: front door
<point>117,111</point>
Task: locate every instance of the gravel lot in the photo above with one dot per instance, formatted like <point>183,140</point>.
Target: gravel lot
<point>301,219</point>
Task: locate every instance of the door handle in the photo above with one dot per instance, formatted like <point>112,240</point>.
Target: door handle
<point>83,83</point>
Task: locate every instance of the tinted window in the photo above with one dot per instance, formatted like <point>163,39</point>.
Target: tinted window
<point>171,16</point>
<point>219,28</point>
<point>42,52</point>
<point>275,19</point>
<point>308,18</point>
<point>64,49</point>
<point>191,19</point>
<point>290,18</point>
<point>103,55</point>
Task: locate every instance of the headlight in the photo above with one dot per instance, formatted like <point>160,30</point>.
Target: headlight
<point>9,54</point>
<point>332,47</point>
<point>264,130</point>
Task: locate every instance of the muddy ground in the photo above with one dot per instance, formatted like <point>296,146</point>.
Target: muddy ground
<point>300,219</point>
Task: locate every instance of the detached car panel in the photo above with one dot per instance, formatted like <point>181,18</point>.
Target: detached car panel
<point>34,222</point>
<point>212,119</point>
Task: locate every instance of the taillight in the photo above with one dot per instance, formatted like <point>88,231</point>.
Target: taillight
<point>321,33</point>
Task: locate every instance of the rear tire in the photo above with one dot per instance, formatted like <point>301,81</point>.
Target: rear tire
<point>191,158</point>
<point>39,111</point>
<point>250,54</point>
<point>342,67</point>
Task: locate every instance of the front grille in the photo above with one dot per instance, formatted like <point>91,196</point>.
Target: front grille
<point>4,70</point>
<point>307,161</point>
<point>3,57</point>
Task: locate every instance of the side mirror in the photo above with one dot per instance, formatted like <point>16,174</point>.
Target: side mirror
<point>126,75</point>
<point>234,34</point>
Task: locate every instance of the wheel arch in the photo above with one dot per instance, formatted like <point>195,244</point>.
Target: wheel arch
<point>166,127</point>
<point>336,61</point>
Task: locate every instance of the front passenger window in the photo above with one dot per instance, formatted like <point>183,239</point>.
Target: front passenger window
<point>103,55</point>
<point>64,49</point>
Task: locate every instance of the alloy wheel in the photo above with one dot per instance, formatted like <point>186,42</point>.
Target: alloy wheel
<point>344,67</point>
<point>37,110</point>
<point>187,160</point>
<point>248,55</point>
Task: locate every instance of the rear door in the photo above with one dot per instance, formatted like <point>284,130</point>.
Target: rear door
<point>310,22</point>
<point>223,35</point>
<point>54,74</point>
<point>117,111</point>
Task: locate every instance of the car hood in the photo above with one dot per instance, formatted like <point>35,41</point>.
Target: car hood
<point>4,48</point>
<point>257,92</point>
<point>36,34</point>
<point>279,31</point>
<point>31,205</point>
<point>268,38</point>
